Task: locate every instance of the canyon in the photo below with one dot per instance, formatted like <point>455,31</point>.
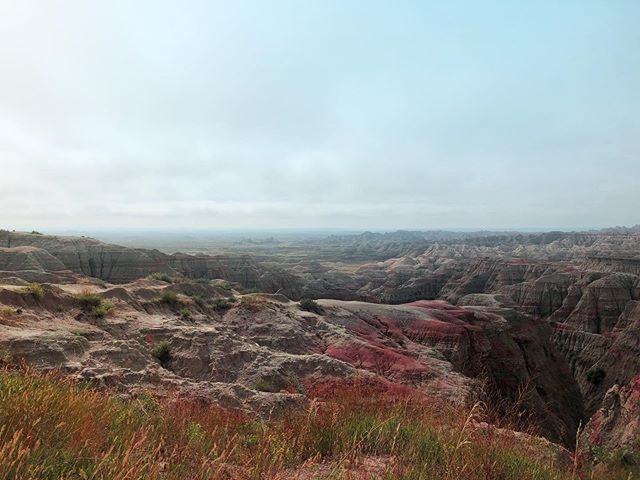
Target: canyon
<point>543,324</point>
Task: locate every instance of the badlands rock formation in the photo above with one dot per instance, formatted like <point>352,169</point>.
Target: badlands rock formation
<point>245,355</point>
<point>548,322</point>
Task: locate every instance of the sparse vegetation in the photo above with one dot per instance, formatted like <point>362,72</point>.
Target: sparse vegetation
<point>249,291</point>
<point>264,385</point>
<point>253,303</point>
<point>199,301</point>
<point>34,290</point>
<point>6,357</point>
<point>223,303</point>
<point>94,303</point>
<point>7,311</point>
<point>162,352</point>
<point>163,277</point>
<point>170,298</point>
<point>310,305</point>
<point>595,375</point>
<point>89,300</point>
<point>87,433</point>
<point>223,284</point>
<point>185,313</point>
<point>103,309</point>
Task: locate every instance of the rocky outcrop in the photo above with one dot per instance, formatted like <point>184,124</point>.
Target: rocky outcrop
<point>117,264</point>
<point>258,352</point>
<point>600,361</point>
<point>520,306</point>
<point>93,258</point>
<point>599,302</point>
<point>614,428</point>
<point>20,259</point>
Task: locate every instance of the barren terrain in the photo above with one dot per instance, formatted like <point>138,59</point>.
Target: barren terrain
<point>543,328</point>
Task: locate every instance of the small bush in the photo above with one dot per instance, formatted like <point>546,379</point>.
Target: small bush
<point>8,311</point>
<point>198,300</point>
<point>253,303</point>
<point>263,385</point>
<point>223,303</point>
<point>162,352</point>
<point>310,305</point>
<point>185,313</point>
<point>170,298</point>
<point>163,277</point>
<point>595,376</point>
<point>6,357</point>
<point>34,290</point>
<point>104,308</point>
<point>223,284</point>
<point>94,303</point>
<point>89,300</point>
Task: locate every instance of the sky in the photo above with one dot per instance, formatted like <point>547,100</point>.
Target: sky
<point>319,114</point>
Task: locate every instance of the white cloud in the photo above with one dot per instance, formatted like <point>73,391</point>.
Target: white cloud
<point>295,114</point>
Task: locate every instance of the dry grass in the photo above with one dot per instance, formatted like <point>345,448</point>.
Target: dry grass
<point>8,314</point>
<point>54,428</point>
<point>34,290</point>
<point>92,302</point>
<point>253,303</point>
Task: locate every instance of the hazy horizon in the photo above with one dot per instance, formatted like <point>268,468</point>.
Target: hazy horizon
<point>319,115</point>
<point>107,233</point>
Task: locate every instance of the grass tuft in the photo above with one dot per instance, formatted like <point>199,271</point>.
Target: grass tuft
<point>34,290</point>
<point>310,305</point>
<point>223,303</point>
<point>164,277</point>
<point>162,352</point>
<point>94,303</point>
<point>170,298</point>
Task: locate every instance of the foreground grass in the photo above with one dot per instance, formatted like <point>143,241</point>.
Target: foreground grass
<point>54,428</point>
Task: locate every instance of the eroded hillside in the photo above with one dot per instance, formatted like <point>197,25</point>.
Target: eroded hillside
<point>545,325</point>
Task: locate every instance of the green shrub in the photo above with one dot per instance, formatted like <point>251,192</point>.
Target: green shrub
<point>185,313</point>
<point>170,298</point>
<point>223,284</point>
<point>102,309</point>
<point>162,352</point>
<point>310,305</point>
<point>263,385</point>
<point>34,290</point>
<point>595,376</point>
<point>94,303</point>
<point>198,300</point>
<point>223,303</point>
<point>89,301</point>
<point>8,311</point>
<point>163,277</point>
<point>5,356</point>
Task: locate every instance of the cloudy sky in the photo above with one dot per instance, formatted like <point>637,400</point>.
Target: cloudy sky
<point>352,114</point>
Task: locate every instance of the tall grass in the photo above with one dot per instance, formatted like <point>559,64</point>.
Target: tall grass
<point>54,428</point>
